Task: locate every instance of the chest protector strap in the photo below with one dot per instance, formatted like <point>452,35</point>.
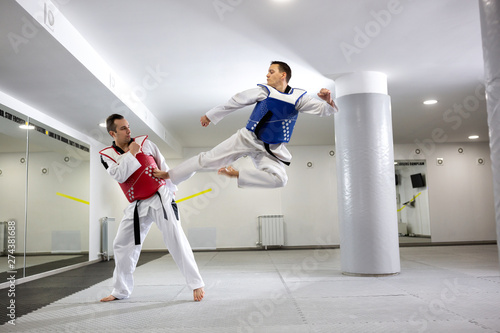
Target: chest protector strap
<point>264,119</point>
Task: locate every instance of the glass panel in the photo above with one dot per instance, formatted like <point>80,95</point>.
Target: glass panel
<point>412,201</point>
<point>58,194</point>
<point>13,164</point>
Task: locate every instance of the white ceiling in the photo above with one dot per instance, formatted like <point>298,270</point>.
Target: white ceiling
<point>204,51</point>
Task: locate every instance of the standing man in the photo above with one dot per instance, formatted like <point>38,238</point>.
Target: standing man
<point>263,139</point>
<point>131,162</point>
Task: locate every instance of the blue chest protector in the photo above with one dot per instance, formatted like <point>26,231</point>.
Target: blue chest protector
<point>273,118</point>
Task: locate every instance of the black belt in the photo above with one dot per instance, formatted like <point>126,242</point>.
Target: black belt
<point>266,145</point>
<point>137,230</point>
<point>264,120</point>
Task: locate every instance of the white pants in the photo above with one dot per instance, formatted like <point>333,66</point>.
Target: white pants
<point>270,172</point>
<point>127,253</point>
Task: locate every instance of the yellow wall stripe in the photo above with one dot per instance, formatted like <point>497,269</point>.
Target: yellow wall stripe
<point>180,200</point>
<point>400,209</point>
<point>73,198</point>
<point>194,195</point>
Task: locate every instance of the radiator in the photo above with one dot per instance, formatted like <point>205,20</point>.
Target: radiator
<point>271,230</point>
<point>108,232</point>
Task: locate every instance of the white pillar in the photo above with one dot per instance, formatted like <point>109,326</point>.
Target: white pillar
<point>490,30</point>
<point>369,243</point>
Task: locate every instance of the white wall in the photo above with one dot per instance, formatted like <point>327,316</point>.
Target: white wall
<point>460,198</point>
<point>308,203</point>
<point>460,195</point>
<point>310,198</point>
<point>230,210</point>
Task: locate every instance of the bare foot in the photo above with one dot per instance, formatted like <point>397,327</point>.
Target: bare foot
<point>109,298</point>
<point>229,171</point>
<point>198,294</point>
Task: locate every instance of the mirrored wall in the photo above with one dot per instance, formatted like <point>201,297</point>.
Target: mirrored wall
<point>412,201</point>
<point>44,193</point>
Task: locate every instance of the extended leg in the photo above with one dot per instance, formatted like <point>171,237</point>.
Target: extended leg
<point>221,155</point>
<point>269,173</point>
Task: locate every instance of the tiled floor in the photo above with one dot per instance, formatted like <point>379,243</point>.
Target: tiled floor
<point>440,289</point>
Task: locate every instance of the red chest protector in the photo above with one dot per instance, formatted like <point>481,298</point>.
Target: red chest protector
<point>141,184</point>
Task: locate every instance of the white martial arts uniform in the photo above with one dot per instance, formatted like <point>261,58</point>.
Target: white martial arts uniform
<point>150,210</point>
<point>269,172</point>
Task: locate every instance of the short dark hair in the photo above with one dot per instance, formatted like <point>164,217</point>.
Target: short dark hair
<point>110,122</point>
<point>283,67</point>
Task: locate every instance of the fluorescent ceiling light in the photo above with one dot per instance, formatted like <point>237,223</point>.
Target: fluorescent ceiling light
<point>473,137</point>
<point>430,102</point>
<point>27,126</point>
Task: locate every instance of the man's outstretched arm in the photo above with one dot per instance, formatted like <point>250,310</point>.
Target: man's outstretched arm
<point>308,104</point>
<point>326,95</point>
<point>238,101</point>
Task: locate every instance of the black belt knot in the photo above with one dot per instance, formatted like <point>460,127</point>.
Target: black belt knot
<point>137,229</point>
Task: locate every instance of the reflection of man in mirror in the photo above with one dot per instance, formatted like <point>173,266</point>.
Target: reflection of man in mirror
<point>131,161</point>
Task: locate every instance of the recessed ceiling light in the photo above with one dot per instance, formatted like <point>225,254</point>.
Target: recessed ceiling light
<point>430,102</point>
<point>102,125</point>
<point>473,137</point>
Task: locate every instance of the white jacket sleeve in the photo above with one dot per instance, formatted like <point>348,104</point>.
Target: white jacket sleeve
<point>310,105</point>
<point>121,172</point>
<point>238,101</point>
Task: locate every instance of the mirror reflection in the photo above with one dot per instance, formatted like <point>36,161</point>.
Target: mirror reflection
<point>412,201</point>
<point>46,195</point>
<point>13,166</point>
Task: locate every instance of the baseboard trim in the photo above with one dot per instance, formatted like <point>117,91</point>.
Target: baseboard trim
<point>48,273</point>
